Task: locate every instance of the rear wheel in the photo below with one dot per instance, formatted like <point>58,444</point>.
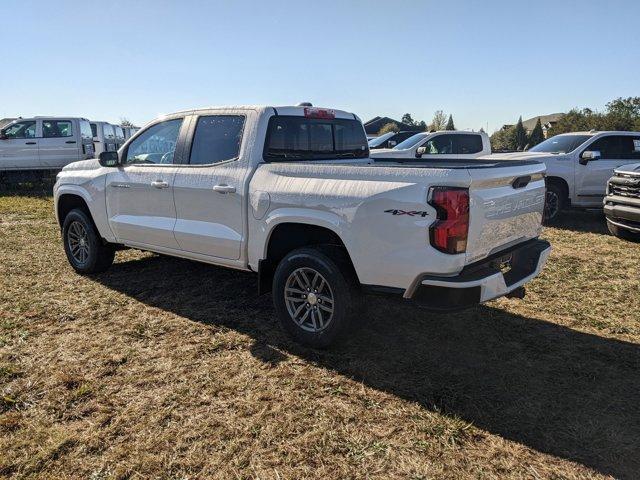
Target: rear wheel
<point>84,248</point>
<point>555,202</point>
<point>619,232</point>
<point>314,294</point>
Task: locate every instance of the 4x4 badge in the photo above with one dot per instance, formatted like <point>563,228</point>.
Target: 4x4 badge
<point>412,213</point>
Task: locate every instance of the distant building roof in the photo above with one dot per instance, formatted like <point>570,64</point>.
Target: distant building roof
<point>374,125</point>
<point>550,119</point>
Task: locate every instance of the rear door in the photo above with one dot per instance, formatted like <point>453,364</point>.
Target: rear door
<point>58,145</point>
<point>209,187</point>
<point>615,151</point>
<point>140,204</point>
<point>19,150</point>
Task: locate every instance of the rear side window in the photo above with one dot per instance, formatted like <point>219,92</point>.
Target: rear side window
<point>439,145</point>
<point>468,144</point>
<point>57,128</point>
<point>302,138</point>
<point>94,130</point>
<point>217,138</point>
<point>85,129</point>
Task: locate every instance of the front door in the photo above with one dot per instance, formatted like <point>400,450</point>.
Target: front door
<point>208,188</point>
<point>58,145</point>
<point>19,146</point>
<point>615,151</point>
<point>140,202</point>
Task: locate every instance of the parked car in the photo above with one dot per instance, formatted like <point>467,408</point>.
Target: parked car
<point>390,139</point>
<point>579,165</point>
<point>32,146</point>
<point>622,203</point>
<point>104,137</point>
<point>439,145</point>
<point>290,193</point>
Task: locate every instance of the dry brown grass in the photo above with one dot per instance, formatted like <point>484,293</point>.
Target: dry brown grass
<point>163,368</point>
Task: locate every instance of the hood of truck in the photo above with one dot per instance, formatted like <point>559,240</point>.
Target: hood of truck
<point>91,164</point>
<point>631,169</point>
<point>539,156</point>
<point>502,211</point>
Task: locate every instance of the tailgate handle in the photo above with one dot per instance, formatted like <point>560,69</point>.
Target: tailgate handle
<point>521,182</point>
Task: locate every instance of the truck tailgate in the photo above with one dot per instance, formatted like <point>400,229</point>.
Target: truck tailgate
<point>506,207</point>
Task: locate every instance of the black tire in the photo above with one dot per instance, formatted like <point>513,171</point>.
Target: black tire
<point>616,231</point>
<point>555,202</point>
<point>336,271</point>
<point>78,230</point>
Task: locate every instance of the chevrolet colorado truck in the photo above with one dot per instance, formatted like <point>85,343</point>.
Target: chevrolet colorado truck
<point>579,165</point>
<point>622,203</point>
<point>291,193</point>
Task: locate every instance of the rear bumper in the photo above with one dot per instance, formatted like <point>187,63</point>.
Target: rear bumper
<point>484,280</point>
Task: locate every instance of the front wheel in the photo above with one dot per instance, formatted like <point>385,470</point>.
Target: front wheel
<point>314,294</point>
<point>555,201</point>
<point>84,248</point>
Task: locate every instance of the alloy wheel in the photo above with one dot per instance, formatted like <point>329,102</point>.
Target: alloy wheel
<point>309,299</point>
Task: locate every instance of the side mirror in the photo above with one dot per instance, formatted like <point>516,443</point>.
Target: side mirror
<point>109,159</point>
<point>589,155</point>
<point>421,151</point>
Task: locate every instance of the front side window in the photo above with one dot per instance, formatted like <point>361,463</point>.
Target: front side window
<point>107,130</point>
<point>119,133</point>
<point>302,138</point>
<point>439,145</point>
<point>56,128</point>
<point>156,144</point>
<point>25,129</point>
<point>217,138</point>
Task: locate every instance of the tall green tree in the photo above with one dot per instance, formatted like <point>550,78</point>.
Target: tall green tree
<point>450,125</point>
<point>521,135</point>
<point>504,140</point>
<point>408,119</point>
<point>537,135</point>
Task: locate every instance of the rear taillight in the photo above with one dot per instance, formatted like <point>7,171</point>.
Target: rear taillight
<point>450,231</point>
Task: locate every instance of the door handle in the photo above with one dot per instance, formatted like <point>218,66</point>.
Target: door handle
<point>159,184</point>
<point>70,141</point>
<point>224,188</point>
<point>30,143</point>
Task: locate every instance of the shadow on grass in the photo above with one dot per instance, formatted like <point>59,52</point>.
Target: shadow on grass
<point>548,387</point>
<point>578,220</point>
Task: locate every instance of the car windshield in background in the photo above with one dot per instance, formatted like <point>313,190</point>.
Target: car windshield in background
<point>374,142</point>
<point>302,138</point>
<point>411,141</point>
<point>561,144</point>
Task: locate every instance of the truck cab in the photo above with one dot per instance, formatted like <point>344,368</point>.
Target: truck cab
<point>439,145</point>
<point>44,143</point>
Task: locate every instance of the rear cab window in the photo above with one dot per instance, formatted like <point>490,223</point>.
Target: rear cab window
<point>291,138</point>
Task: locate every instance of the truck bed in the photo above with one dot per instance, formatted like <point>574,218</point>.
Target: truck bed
<point>454,164</point>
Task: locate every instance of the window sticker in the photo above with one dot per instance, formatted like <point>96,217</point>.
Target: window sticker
<point>636,145</point>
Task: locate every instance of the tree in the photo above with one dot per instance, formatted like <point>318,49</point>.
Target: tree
<point>537,135</point>
<point>521,135</point>
<point>406,118</point>
<point>124,122</point>
<point>439,121</point>
<point>422,125</point>
<point>450,125</point>
<point>389,127</point>
<point>504,140</point>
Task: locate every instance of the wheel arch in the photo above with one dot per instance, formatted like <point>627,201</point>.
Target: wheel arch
<point>562,183</point>
<point>287,236</point>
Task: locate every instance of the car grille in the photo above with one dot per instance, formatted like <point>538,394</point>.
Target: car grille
<point>625,186</point>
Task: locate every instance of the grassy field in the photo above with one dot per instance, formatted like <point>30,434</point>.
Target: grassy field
<point>163,368</point>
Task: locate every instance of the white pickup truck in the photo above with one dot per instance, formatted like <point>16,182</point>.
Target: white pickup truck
<point>290,193</point>
<point>579,165</point>
<point>438,145</point>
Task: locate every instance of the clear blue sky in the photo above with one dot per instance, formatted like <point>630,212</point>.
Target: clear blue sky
<point>482,61</point>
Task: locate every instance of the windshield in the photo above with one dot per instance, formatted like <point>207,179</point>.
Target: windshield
<point>411,141</point>
<point>374,142</point>
<point>561,144</point>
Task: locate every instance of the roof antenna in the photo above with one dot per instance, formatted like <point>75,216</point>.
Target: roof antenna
<point>304,104</point>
